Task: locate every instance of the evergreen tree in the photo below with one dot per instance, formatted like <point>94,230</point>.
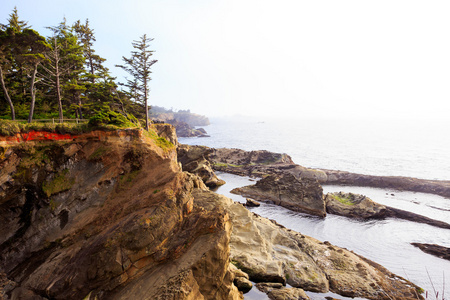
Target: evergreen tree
<point>32,48</point>
<point>63,67</point>
<point>5,67</point>
<point>14,22</point>
<point>94,63</point>
<point>138,66</point>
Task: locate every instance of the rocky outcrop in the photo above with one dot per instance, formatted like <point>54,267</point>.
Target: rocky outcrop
<point>164,115</point>
<point>410,216</point>
<point>259,164</point>
<point>263,163</point>
<point>167,132</point>
<point>361,207</point>
<point>183,129</point>
<point>108,215</point>
<point>268,252</point>
<point>437,187</point>
<point>353,206</point>
<point>433,249</point>
<point>251,203</point>
<point>298,194</point>
<point>195,159</point>
<point>279,292</point>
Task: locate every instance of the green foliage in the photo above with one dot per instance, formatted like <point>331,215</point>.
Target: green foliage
<point>343,200</point>
<point>9,128</point>
<point>164,144</point>
<point>98,153</point>
<point>106,116</point>
<point>85,90</point>
<point>61,182</point>
<point>159,141</point>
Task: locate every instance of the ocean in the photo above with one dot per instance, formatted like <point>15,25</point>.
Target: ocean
<point>412,148</point>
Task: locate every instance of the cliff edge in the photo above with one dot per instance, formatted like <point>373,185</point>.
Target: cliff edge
<point>107,215</point>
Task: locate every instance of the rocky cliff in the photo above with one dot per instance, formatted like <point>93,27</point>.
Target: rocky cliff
<point>111,215</point>
<point>107,215</point>
<point>272,254</point>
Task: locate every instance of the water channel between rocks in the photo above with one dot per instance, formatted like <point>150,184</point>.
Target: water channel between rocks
<point>386,242</point>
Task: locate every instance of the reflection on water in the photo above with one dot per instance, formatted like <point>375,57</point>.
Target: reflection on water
<point>386,242</point>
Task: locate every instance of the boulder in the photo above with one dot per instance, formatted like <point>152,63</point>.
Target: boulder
<point>252,203</point>
<point>243,284</point>
<point>298,194</point>
<point>353,206</point>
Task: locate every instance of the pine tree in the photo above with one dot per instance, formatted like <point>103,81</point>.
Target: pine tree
<point>14,22</point>
<point>94,63</point>
<point>138,66</point>
<point>5,67</point>
<point>64,64</point>
<point>32,47</point>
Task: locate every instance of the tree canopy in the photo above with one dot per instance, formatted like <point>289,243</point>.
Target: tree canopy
<point>62,76</point>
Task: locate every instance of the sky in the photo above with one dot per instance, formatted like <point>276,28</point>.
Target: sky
<point>288,58</point>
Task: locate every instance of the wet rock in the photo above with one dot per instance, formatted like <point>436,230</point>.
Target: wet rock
<point>437,187</point>
<point>267,286</point>
<point>433,249</point>
<point>298,194</point>
<point>353,206</point>
<point>287,294</point>
<point>251,203</point>
<point>243,284</point>
<point>413,217</point>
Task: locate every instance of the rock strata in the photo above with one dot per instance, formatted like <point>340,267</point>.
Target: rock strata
<point>108,216</point>
<point>298,194</point>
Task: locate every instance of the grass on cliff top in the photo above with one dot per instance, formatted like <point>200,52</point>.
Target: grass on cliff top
<point>159,141</point>
<point>10,128</point>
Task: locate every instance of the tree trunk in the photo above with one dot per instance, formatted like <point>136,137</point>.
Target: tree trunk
<point>80,111</point>
<point>5,91</point>
<point>33,93</point>
<point>58,95</point>
<point>146,104</point>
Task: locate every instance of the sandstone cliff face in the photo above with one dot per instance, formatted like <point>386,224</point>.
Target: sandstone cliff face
<point>108,215</point>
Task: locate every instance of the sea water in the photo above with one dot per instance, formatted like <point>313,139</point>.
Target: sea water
<point>411,148</point>
<point>397,148</point>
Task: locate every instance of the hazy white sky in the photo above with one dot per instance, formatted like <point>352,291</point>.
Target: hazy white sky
<point>259,57</point>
